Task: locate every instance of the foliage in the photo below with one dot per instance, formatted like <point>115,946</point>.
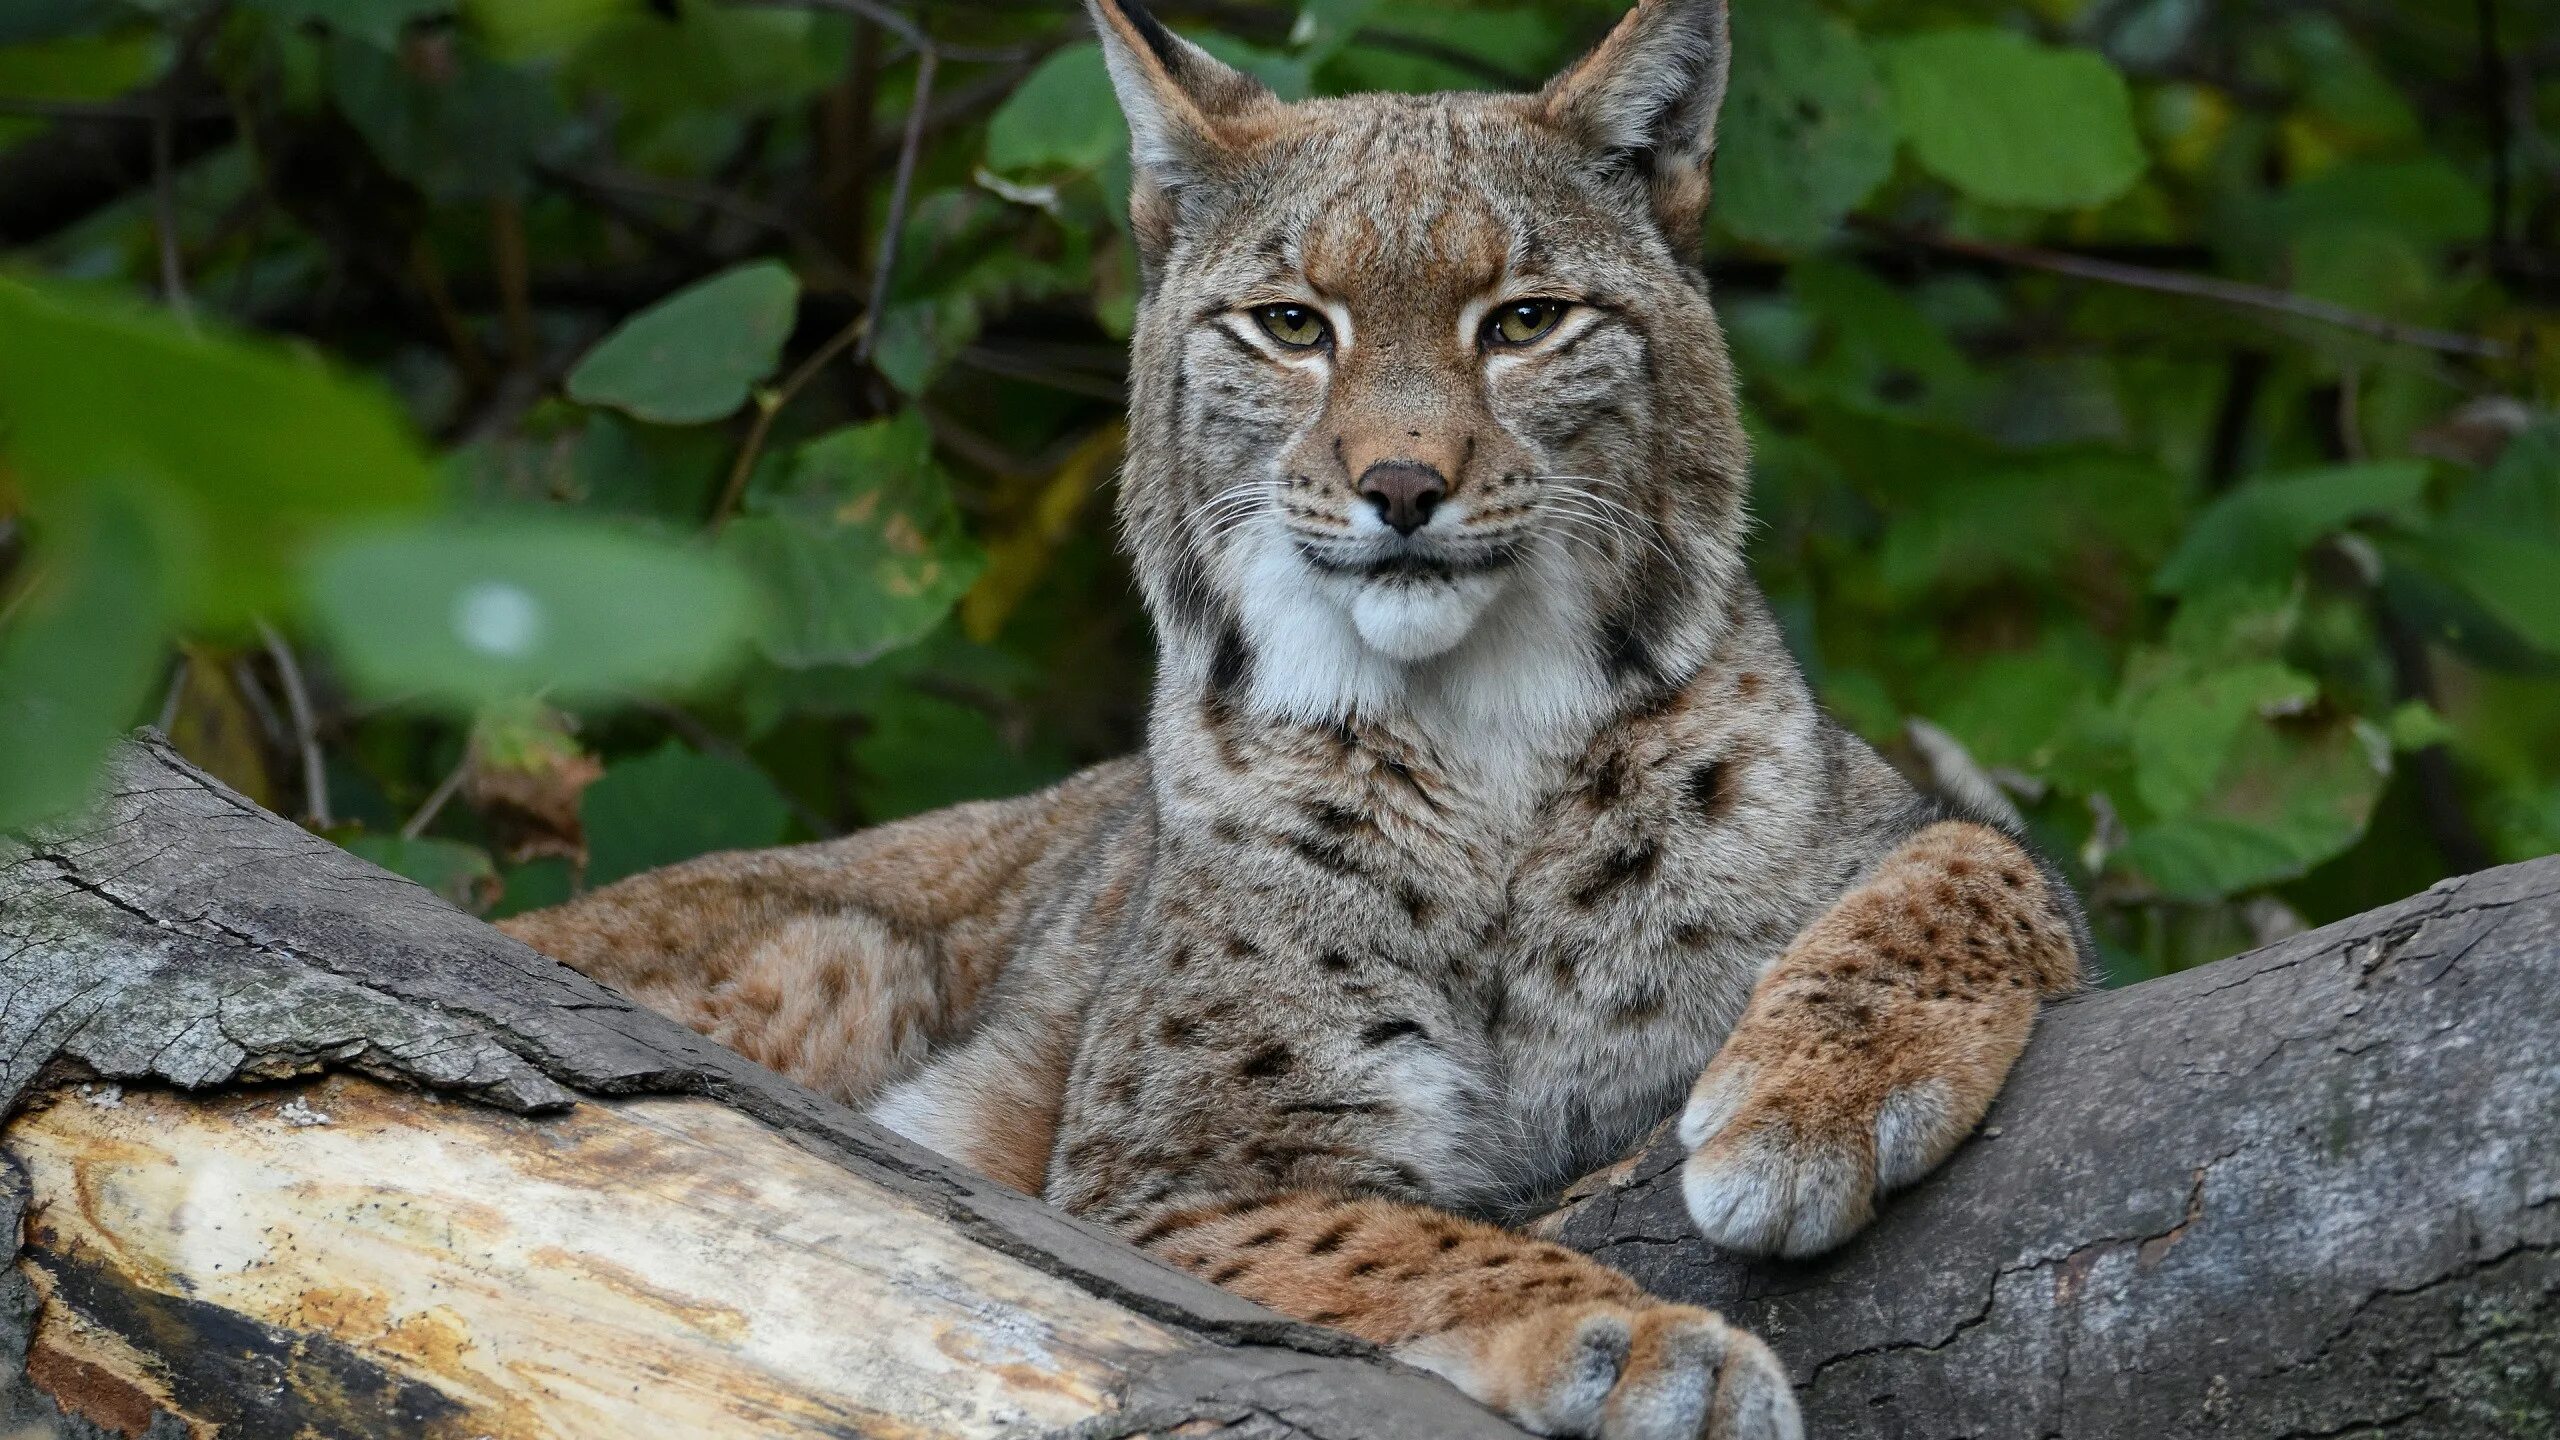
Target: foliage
<point>477,422</point>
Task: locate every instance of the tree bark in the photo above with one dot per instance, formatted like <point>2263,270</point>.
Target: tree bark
<point>298,1148</point>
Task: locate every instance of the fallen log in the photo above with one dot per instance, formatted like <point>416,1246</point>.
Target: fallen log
<point>295,1148</point>
<point>2313,1190</point>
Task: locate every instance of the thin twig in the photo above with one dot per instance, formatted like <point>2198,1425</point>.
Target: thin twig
<point>863,330</point>
<point>512,262</point>
<point>768,408</point>
<point>2210,287</point>
<point>898,23</point>
<point>306,729</point>
<point>437,798</point>
<point>176,693</point>
<point>908,144</point>
<point>2493,99</point>
<point>164,220</point>
<point>262,708</point>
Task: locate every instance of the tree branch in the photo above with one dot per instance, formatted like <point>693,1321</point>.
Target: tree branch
<point>2212,288</point>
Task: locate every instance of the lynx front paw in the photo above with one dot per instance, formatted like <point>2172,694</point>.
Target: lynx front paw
<point>1620,1372</point>
<point>1791,1162</point>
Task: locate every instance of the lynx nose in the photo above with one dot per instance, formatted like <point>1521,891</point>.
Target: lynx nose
<point>1404,493</point>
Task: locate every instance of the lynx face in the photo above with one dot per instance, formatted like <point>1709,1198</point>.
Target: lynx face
<point>1440,389</point>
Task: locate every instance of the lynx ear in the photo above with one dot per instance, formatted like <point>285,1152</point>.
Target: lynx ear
<point>1174,93</point>
<point>1647,96</point>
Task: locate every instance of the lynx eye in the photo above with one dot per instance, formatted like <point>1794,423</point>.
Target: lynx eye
<point>1522,321</point>
<point>1297,326</point>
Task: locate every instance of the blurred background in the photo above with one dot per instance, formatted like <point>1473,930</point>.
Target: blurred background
<point>534,440</point>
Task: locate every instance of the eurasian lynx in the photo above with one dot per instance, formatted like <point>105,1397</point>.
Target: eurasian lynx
<point>1481,803</point>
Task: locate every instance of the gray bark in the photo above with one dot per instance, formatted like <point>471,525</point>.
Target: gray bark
<point>2309,1191</point>
<point>2313,1190</point>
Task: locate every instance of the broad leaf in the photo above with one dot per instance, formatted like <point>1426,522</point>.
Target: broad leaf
<point>694,356</point>
<point>673,805</point>
<point>711,55</point>
<point>1807,134</point>
<point>857,544</point>
<point>2183,731</point>
<point>2288,796</point>
<point>244,450</point>
<point>2258,531</point>
<point>1062,114</point>
<point>80,650</point>
<point>469,130</point>
<point>469,612</point>
<point>2012,122</point>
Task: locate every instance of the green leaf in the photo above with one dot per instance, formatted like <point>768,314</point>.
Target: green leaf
<point>694,356</point>
<point>673,805</point>
<point>2258,531</point>
<point>2289,795</point>
<point>965,256</point>
<point>2520,492</point>
<point>2070,514</point>
<point>79,652</point>
<point>74,67</point>
<point>469,130</point>
<point>711,56</point>
<point>858,545</point>
<point>240,450</point>
<point>922,752</point>
<point>541,29</point>
<point>1062,114</point>
<point>470,612</point>
<point>2415,725</point>
<point>376,22</point>
<point>462,875</point>
<point>2011,122</point>
<point>2516,577</point>
<point>1806,134</point>
<point>2184,732</point>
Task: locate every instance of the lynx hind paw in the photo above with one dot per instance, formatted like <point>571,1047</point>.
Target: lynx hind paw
<point>1616,1372</point>
<point>1778,1168</point>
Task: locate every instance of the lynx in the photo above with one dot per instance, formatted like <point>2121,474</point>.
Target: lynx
<point>1481,806</point>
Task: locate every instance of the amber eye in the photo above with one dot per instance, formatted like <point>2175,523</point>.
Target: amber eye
<point>1522,321</point>
<point>1297,326</point>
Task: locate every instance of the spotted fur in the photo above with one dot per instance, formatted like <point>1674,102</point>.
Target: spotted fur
<point>1481,806</point>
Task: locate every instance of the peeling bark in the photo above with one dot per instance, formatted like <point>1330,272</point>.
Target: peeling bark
<point>2311,1191</point>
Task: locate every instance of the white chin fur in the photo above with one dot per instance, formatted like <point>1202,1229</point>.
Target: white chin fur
<point>1418,622</point>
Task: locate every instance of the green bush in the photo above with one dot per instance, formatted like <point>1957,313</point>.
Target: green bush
<point>539,439</point>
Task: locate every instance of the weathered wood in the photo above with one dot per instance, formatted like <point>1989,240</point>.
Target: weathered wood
<point>416,1266</point>
<point>2310,1191</point>
<point>662,1266</point>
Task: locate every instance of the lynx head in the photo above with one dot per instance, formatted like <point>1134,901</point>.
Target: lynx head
<point>1426,389</point>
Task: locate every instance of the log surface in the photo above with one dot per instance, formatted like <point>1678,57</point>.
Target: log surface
<point>2305,1192</point>
<point>183,943</point>
<point>2309,1191</point>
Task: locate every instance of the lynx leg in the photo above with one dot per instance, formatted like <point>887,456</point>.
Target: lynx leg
<point>1549,1338</point>
<point>1876,1042</point>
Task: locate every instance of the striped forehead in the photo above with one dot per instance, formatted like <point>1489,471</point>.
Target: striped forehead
<point>1401,205</point>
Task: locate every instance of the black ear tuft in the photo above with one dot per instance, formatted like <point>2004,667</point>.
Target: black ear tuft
<point>1167,50</point>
